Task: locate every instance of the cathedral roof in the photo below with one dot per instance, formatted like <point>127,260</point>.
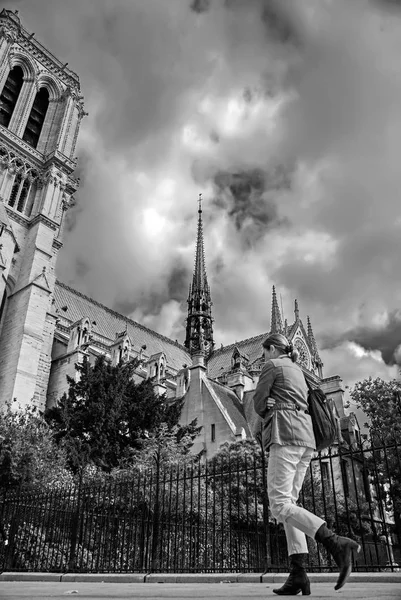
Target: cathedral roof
<point>220,361</point>
<point>232,405</point>
<point>109,323</point>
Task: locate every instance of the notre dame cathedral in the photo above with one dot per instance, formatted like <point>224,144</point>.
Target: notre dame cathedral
<point>47,327</point>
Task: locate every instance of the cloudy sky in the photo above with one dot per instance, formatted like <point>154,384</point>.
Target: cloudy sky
<point>286,115</point>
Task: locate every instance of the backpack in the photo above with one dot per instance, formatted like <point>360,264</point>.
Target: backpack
<point>324,422</point>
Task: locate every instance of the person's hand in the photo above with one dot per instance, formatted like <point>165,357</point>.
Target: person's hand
<point>270,402</point>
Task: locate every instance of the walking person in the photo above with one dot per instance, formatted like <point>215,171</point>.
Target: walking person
<point>281,399</point>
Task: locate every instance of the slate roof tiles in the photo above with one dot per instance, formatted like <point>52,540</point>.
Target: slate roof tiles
<point>231,403</point>
<point>220,361</point>
<point>109,323</point>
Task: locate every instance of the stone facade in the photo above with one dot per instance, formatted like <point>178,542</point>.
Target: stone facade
<point>39,126</point>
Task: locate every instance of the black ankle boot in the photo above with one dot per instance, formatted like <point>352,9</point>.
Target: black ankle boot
<point>340,549</point>
<point>298,581</point>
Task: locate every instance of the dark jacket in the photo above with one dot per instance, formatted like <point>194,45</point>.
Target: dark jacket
<point>288,422</point>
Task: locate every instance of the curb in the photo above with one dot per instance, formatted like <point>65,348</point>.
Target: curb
<point>104,577</point>
<point>332,578</point>
<point>30,576</point>
<point>194,577</point>
<point>203,578</point>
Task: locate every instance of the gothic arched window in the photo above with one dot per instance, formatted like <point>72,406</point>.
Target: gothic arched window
<point>15,189</point>
<point>9,95</point>
<point>85,334</point>
<point>23,195</point>
<point>37,117</point>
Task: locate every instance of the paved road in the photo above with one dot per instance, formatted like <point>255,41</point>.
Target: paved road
<point>16,590</point>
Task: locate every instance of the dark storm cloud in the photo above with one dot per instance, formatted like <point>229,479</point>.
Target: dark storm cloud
<point>386,338</point>
<point>279,18</point>
<point>71,218</point>
<point>387,3</point>
<point>151,302</point>
<point>245,188</point>
<point>278,22</point>
<point>200,6</point>
<point>217,265</point>
<point>124,306</point>
<point>315,283</point>
<point>247,197</point>
<point>178,283</point>
<point>82,267</point>
<point>142,95</point>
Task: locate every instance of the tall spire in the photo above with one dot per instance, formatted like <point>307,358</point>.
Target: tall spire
<point>199,281</point>
<point>276,322</point>
<point>199,325</point>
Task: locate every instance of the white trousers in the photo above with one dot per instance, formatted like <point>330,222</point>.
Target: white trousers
<point>285,475</point>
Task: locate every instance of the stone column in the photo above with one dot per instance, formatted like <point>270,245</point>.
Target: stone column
<point>6,40</point>
<point>46,143</point>
<point>23,107</point>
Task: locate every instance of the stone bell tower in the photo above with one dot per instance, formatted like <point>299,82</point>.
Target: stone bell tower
<point>41,108</point>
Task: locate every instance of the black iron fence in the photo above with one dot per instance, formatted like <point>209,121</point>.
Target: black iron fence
<point>208,517</point>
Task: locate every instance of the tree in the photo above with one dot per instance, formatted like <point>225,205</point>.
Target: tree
<point>166,445</point>
<point>381,402</point>
<point>29,455</point>
<point>106,415</point>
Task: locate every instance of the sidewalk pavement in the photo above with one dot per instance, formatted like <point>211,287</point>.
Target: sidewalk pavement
<point>232,586</point>
<point>19,590</point>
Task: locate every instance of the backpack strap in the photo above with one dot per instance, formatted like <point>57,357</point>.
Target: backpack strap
<point>310,388</point>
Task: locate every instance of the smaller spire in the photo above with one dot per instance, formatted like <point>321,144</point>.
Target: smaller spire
<point>296,310</point>
<point>313,343</point>
<point>311,335</point>
<point>276,322</point>
<point>200,203</point>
